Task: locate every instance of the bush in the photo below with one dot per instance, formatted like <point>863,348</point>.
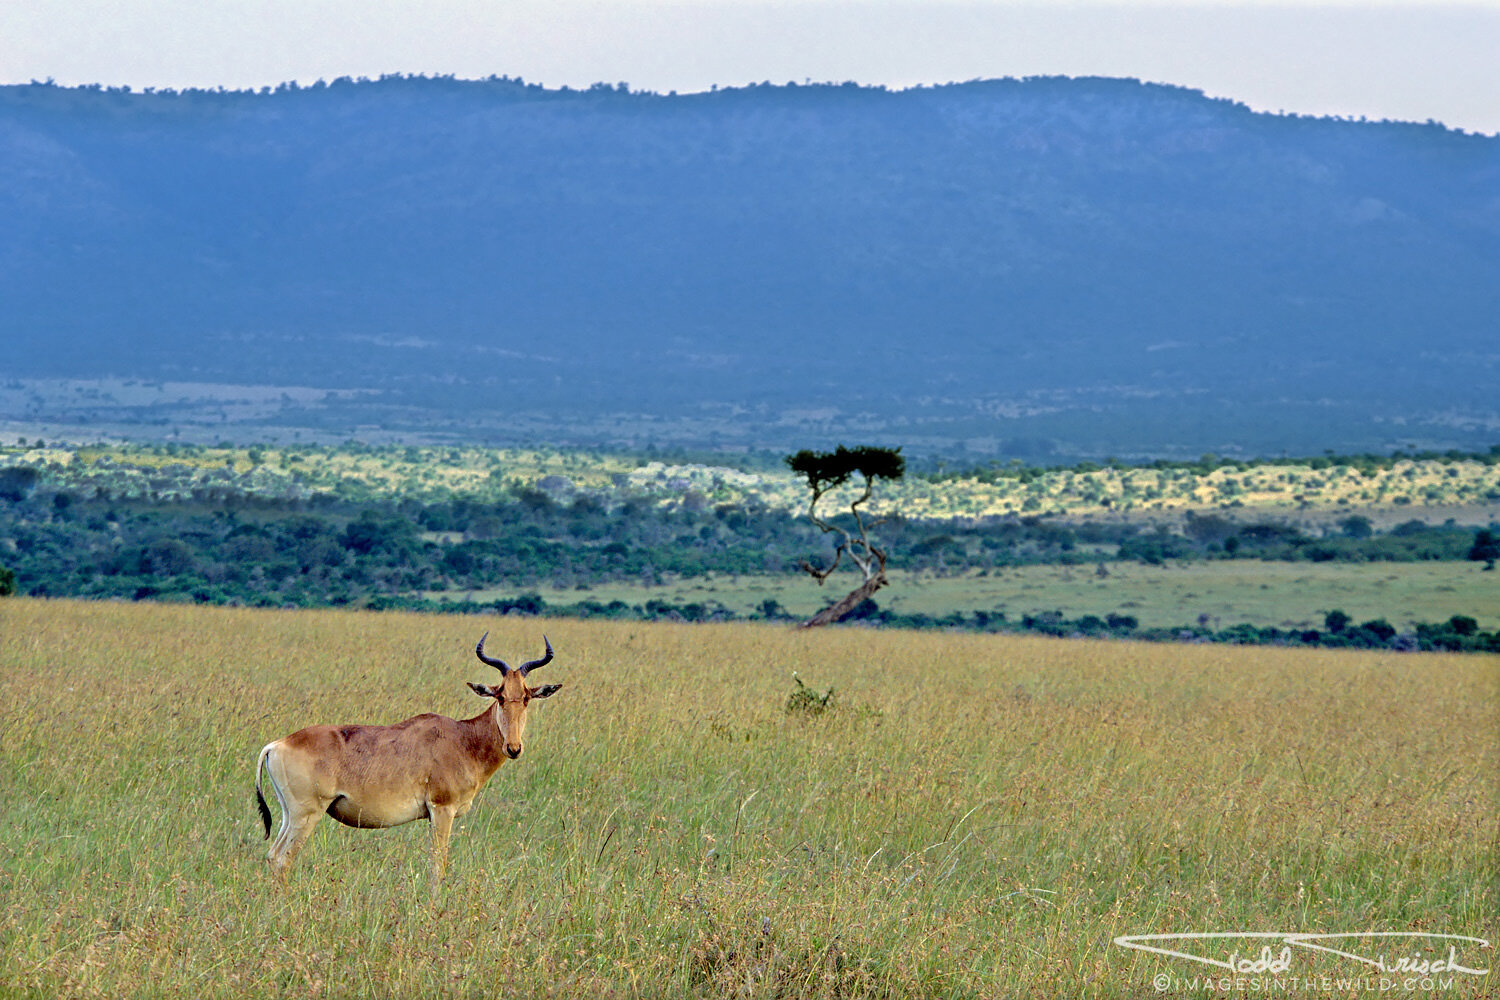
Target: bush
<point>17,482</point>
<point>1463,625</point>
<point>1486,548</point>
<point>530,605</point>
<point>805,701</point>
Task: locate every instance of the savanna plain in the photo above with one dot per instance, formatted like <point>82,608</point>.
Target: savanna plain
<point>969,816</point>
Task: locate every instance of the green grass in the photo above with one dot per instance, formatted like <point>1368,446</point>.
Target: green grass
<point>975,816</point>
<point>1234,591</point>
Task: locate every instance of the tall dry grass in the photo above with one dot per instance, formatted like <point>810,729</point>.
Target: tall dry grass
<point>977,816</point>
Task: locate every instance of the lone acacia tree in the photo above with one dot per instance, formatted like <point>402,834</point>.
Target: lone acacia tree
<point>828,470</point>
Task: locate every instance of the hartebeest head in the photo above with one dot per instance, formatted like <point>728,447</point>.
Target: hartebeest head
<point>513,694</point>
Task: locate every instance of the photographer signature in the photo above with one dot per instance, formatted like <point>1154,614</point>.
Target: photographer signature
<point>1265,961</point>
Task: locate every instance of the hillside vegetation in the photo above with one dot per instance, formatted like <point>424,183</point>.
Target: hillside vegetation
<point>1383,487</point>
<point>1029,268</point>
<point>964,816</point>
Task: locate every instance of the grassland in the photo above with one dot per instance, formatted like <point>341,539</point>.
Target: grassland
<point>1291,595</point>
<point>978,815</point>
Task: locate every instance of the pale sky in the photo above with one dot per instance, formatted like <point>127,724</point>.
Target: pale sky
<point>1401,59</point>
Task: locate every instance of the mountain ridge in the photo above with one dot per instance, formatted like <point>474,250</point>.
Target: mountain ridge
<point>1093,254</point>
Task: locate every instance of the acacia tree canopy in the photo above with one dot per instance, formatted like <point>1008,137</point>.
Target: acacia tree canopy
<point>824,470</point>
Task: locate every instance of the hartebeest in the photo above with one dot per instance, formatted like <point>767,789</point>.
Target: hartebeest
<point>428,767</point>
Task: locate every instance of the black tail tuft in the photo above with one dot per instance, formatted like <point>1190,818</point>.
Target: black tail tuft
<point>265,813</point>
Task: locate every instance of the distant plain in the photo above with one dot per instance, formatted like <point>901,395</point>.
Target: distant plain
<point>1286,595</point>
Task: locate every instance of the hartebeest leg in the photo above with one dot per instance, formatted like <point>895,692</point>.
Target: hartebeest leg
<point>298,816</point>
<point>295,829</point>
<point>442,828</point>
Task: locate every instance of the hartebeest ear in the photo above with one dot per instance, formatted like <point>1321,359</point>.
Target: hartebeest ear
<point>484,690</point>
<point>545,691</point>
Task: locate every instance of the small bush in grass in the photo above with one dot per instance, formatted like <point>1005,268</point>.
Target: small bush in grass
<point>805,701</point>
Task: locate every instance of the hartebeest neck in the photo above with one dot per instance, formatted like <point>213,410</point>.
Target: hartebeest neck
<point>484,740</point>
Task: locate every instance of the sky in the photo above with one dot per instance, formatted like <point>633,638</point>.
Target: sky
<point>1410,60</point>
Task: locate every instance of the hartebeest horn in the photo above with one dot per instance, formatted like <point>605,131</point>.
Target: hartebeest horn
<point>531,665</point>
<point>500,665</point>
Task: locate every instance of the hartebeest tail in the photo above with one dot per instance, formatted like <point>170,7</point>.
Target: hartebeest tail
<point>429,767</point>
<point>260,800</point>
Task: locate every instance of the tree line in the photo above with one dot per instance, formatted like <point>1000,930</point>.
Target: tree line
<point>232,545</point>
<point>330,550</point>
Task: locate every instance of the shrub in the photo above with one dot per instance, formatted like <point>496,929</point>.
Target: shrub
<point>805,701</point>
<point>1336,621</point>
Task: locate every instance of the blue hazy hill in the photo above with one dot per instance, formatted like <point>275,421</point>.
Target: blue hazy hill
<point>1062,264</point>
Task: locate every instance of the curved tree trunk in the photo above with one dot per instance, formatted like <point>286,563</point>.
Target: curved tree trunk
<point>836,612</point>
